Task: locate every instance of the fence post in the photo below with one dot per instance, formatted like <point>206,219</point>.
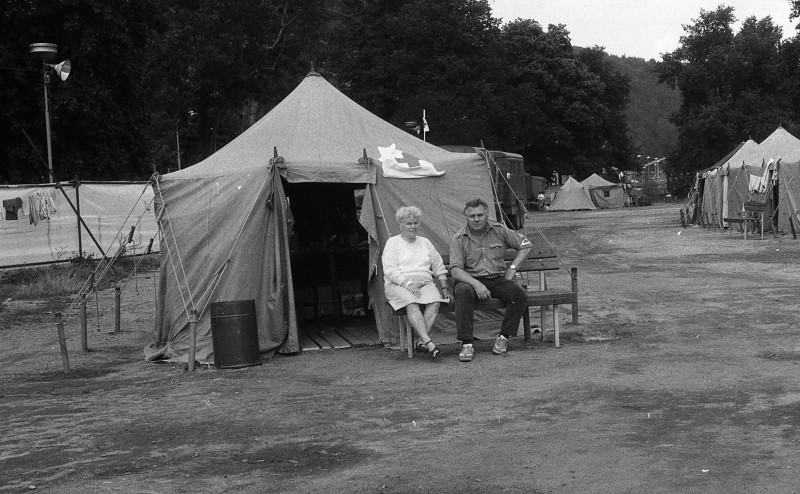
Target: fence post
<point>84,326</point>
<point>62,342</point>
<point>192,339</point>
<point>117,297</point>
<point>574,272</point>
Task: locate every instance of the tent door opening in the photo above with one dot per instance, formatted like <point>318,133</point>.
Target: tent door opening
<point>329,253</point>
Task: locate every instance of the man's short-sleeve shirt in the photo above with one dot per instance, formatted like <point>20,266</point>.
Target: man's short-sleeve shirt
<point>482,256</point>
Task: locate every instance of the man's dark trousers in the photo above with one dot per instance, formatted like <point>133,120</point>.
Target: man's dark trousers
<point>509,291</point>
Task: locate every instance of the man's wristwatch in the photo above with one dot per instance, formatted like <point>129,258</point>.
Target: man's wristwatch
<point>513,267</point>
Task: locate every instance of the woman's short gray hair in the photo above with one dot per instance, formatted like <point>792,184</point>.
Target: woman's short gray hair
<point>407,212</point>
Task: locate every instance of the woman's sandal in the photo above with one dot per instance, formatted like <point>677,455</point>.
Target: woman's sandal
<point>425,348</point>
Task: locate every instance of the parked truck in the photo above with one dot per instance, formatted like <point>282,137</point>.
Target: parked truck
<point>508,174</point>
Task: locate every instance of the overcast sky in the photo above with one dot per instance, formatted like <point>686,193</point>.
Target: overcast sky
<point>637,28</point>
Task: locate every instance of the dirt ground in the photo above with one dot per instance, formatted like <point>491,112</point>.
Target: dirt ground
<point>682,376</point>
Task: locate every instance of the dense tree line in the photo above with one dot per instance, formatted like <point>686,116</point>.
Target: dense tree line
<point>734,86</point>
<point>149,74</point>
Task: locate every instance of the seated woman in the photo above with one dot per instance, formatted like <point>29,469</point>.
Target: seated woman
<point>410,264</point>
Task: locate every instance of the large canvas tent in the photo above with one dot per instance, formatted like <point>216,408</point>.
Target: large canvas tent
<point>226,221</point>
<point>572,196</point>
<point>761,172</point>
<point>604,194</point>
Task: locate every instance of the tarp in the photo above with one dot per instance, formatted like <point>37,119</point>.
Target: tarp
<point>226,219</point>
<point>108,209</point>
<point>604,194</point>
<point>572,196</point>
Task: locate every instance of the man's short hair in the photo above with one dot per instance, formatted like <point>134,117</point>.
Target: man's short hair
<point>476,203</point>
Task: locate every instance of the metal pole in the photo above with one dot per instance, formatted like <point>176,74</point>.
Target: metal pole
<point>69,201</point>
<point>78,212</point>
<point>424,126</point>
<point>178,140</point>
<point>47,125</point>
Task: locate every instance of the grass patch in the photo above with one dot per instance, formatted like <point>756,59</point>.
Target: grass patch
<point>60,280</point>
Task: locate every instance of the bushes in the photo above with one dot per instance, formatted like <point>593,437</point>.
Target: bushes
<point>58,280</point>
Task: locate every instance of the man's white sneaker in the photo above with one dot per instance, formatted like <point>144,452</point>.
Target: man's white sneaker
<point>467,352</point>
<point>500,345</point>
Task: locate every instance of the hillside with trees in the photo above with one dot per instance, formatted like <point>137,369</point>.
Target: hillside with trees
<point>649,108</point>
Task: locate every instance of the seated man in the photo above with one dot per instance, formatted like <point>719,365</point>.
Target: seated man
<point>478,268</point>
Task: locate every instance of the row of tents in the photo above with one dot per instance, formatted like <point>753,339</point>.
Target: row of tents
<point>766,173</point>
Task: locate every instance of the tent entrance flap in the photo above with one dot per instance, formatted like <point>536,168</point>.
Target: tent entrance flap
<point>329,253</point>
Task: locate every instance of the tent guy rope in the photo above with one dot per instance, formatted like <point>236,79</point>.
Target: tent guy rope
<point>489,162</point>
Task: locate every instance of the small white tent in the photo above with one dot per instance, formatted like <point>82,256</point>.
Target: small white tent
<point>604,194</point>
<point>572,196</point>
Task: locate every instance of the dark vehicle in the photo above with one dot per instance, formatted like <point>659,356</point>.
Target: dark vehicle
<point>508,174</point>
<point>535,186</point>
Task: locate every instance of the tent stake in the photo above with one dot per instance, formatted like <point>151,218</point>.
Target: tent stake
<point>192,338</point>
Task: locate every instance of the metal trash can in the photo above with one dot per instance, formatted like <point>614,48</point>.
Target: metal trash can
<point>234,334</point>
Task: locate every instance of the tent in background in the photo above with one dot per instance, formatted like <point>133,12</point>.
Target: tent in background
<point>781,157</point>
<point>604,194</point>
<point>724,187</point>
<point>735,177</point>
<point>572,196</point>
<point>228,223</point>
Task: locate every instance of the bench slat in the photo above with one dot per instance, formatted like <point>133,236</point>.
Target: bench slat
<point>538,265</point>
<point>756,206</point>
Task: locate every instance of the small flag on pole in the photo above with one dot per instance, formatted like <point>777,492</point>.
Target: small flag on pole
<point>425,122</point>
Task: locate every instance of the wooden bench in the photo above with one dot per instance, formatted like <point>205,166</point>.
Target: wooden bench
<point>734,221</point>
<point>539,261</point>
<point>752,214</point>
<point>754,211</point>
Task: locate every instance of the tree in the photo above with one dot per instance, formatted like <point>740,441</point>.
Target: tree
<point>565,111</point>
<point>398,58</point>
<point>219,66</point>
<point>97,120</point>
<point>730,86</point>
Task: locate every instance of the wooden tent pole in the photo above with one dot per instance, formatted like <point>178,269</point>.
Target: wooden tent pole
<point>117,304</point>
<point>84,326</point>
<point>62,342</point>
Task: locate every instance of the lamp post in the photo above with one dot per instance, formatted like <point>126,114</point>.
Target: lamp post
<point>48,52</point>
